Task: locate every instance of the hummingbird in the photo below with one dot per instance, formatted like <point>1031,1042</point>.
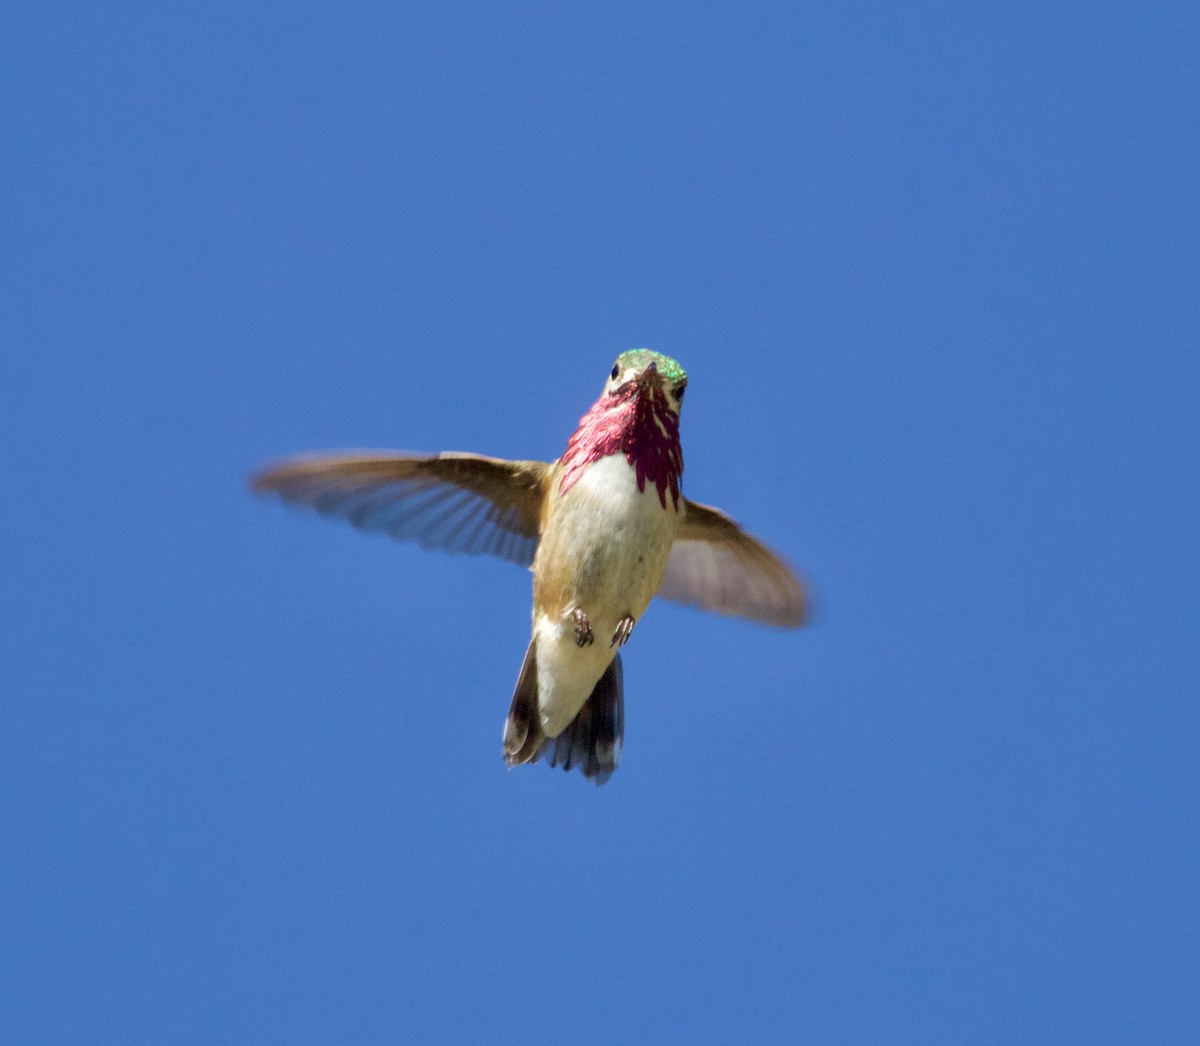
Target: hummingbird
<point>604,529</point>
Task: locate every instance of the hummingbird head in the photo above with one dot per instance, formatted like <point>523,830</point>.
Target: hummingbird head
<point>637,415</point>
<point>642,373</point>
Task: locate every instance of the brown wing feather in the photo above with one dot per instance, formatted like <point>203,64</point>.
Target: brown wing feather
<point>454,501</point>
<point>715,565</point>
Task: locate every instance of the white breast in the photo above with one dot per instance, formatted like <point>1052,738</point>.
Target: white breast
<point>616,540</point>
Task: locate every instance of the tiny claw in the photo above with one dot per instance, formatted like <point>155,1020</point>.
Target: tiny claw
<point>623,632</point>
<point>584,636</point>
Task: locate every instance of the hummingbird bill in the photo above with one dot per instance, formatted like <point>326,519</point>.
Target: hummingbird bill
<point>604,529</point>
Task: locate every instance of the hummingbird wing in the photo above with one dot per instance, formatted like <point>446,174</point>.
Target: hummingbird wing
<point>715,565</point>
<point>453,501</point>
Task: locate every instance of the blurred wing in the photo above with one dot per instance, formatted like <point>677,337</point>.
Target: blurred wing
<point>457,502</point>
<point>715,565</point>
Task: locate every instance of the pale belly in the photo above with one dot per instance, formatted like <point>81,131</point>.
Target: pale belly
<point>604,551</point>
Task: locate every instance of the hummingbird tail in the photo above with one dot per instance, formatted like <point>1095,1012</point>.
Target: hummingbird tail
<point>592,741</point>
<point>594,738</point>
<point>523,737</point>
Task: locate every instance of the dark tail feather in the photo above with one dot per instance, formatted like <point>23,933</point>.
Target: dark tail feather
<point>593,740</point>
<point>523,737</point>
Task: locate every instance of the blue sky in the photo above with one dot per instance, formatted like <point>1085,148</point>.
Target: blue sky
<point>933,273</point>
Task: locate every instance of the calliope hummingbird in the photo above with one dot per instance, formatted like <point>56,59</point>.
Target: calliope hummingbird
<point>604,529</point>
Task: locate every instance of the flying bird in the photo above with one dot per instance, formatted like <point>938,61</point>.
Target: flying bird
<point>604,529</point>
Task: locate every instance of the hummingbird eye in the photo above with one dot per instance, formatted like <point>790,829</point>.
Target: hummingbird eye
<point>615,371</point>
<point>679,391</point>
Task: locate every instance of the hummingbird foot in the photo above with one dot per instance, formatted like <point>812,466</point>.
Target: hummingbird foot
<point>623,632</point>
<point>584,636</point>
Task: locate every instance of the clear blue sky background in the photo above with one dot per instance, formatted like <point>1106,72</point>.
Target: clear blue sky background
<point>934,272</point>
